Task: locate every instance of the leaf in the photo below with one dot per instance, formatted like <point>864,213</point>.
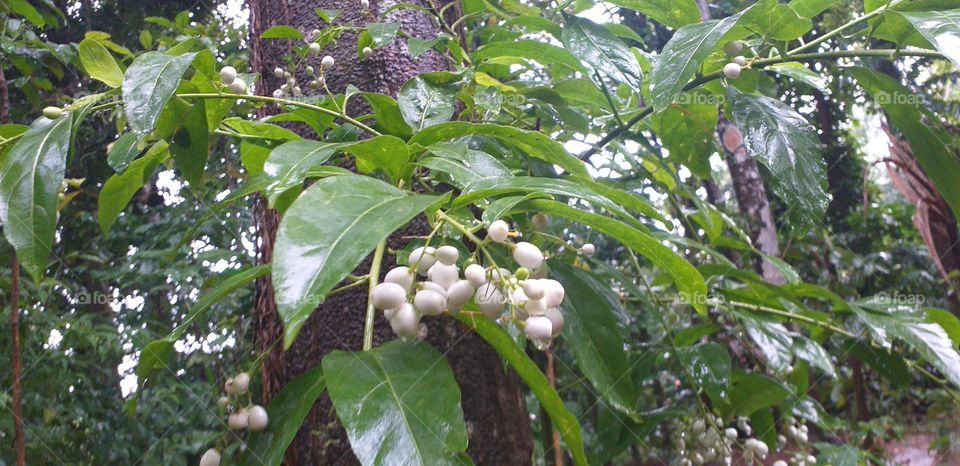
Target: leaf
<point>602,52</point>
<point>941,28</point>
<point>800,73</point>
<point>31,178</point>
<point>286,411</point>
<point>121,187</point>
<point>282,32</point>
<point>811,8</point>
<point>709,365</point>
<point>682,57</point>
<point>387,153</point>
<point>23,8</point>
<point>325,235</point>
<point>258,140</point>
<point>811,351</point>
<point>671,13</point>
<point>784,142</point>
<point>774,20</point>
<point>155,355</point>
<point>464,166</point>
<point>839,455</point>
<point>190,143</point>
<point>399,404</point>
<point>687,132</point>
<point>124,150</point>
<point>382,33</point>
<point>288,164</point>
<point>424,103</point>
<point>99,64</point>
<point>927,339</point>
<point>888,364</point>
<point>148,84</point>
<point>389,120</point>
<point>947,320</point>
<point>541,52</point>
<point>753,392</point>
<point>593,333</point>
<point>685,276</point>
<point>502,342</point>
<point>773,340</point>
<point>417,47</point>
<point>929,143</point>
<point>532,143</point>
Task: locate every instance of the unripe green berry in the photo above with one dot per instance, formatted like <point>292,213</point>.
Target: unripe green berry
<point>53,112</point>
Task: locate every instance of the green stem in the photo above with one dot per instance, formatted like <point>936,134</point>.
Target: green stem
<point>839,30</point>
<point>292,103</point>
<point>374,279</point>
<point>789,316</point>
<point>880,53</point>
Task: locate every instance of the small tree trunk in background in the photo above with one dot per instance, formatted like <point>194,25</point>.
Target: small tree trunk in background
<point>493,404</point>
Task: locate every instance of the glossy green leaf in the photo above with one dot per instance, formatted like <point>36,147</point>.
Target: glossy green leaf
<point>685,276</point>
<point>930,144</point>
<point>811,8</point>
<point>682,57</point>
<point>687,132</point>
<point>671,13</point>
<point>190,143</point>
<point>774,20</point>
<point>425,103</point>
<point>282,32</point>
<point>753,392</point>
<point>31,179</point>
<point>947,320</point>
<point>258,140</point>
<point>124,150</point>
<point>784,142</point>
<point>811,351</point>
<point>99,64</point>
<point>501,341</point>
<point>288,164</point>
<point>927,339</point>
<point>801,73</point>
<point>148,84</point>
<point>541,52</point>
<point>382,33</point>
<point>286,411</point>
<point>593,334</point>
<point>709,366</point>
<point>464,166</point>
<point>418,47</point>
<point>25,9</point>
<point>387,114</point>
<point>120,188</point>
<point>532,143</point>
<point>399,404</point>
<point>602,52</point>
<point>839,455</point>
<point>941,28</point>
<point>387,153</point>
<point>773,341</point>
<point>325,235</point>
<point>888,364</point>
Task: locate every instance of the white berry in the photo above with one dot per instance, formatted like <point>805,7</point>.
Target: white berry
<point>490,300</point>
<point>365,4</point>
<point>238,86</point>
<point>740,60</point>
<point>429,302</point>
<point>242,382</point>
<point>447,255</point>
<point>731,433</point>
<point>422,258</point>
<point>475,274</point>
<point>458,294</point>
<point>588,249</point>
<point>238,420</point>
<point>732,70</point>
<point>536,307</point>
<point>405,321</point>
<point>278,72</point>
<point>539,328</point>
<point>257,419</point>
<point>780,463</point>
<point>733,47</point>
<point>210,457</point>
<point>534,289</point>
<point>428,285</point>
<point>315,49</point>
<point>556,317</point>
<point>401,276</point>
<point>443,275</point>
<point>528,255</point>
<point>228,74</point>
<point>327,62</point>
<point>388,295</point>
<point>554,293</point>
<point>367,51</point>
<point>230,387</point>
<point>223,402</point>
<point>498,231</point>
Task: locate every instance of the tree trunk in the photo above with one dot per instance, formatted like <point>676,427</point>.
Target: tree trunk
<point>493,404</point>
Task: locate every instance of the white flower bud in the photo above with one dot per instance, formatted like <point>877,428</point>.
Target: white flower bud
<point>257,419</point>
<point>539,328</point>
<point>210,457</point>
<point>588,249</point>
<point>388,295</point>
<point>367,51</point>
<point>238,86</point>
<point>238,420</point>
<point>228,74</point>
<point>490,300</point>
<point>429,302</point>
<point>732,70</point>
<point>498,231</point>
<point>447,255</point>
<point>422,258</point>
<point>527,255</point>
<point>730,433</point>
<point>314,50</point>
<point>309,70</point>
<point>476,275</point>
<point>401,276</point>
<point>327,62</point>
<point>554,292</point>
<point>405,321</point>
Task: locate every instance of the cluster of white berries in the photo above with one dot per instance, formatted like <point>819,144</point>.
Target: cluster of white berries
<point>291,86</point>
<point>252,418</point>
<point>733,69</point>
<point>229,78</point>
<point>534,301</point>
<point>703,442</point>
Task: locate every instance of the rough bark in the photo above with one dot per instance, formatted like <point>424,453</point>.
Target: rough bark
<point>493,404</point>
